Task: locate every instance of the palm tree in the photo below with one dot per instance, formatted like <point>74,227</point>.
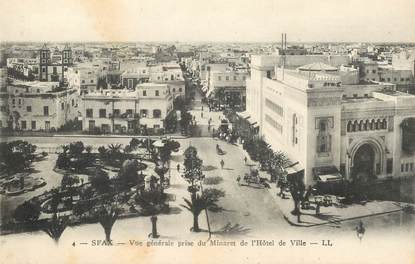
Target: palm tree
<point>107,217</point>
<point>207,200</point>
<point>55,227</point>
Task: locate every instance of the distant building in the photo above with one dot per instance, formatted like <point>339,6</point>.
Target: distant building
<point>233,85</point>
<point>53,65</point>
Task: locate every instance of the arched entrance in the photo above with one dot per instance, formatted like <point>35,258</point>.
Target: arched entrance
<point>364,165</point>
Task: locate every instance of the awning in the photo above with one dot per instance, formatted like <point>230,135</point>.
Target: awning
<point>244,115</point>
<point>330,177</point>
<point>294,168</point>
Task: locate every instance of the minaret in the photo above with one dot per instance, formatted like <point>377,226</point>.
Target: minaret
<point>44,61</point>
<point>66,59</point>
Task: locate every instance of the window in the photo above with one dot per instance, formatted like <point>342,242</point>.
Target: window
<point>234,78</point>
<point>157,93</point>
<point>23,124</point>
<point>174,90</point>
<point>102,113</point>
<point>366,95</point>
<point>156,113</point>
<point>73,102</point>
<point>129,112</point>
<point>83,81</point>
<point>389,79</point>
<point>92,81</point>
<point>130,83</point>
<point>406,167</point>
<point>402,167</point>
<point>33,125</point>
<point>62,106</point>
<point>144,93</point>
<point>219,78</point>
<point>43,69</point>
<point>227,78</point>
<point>20,101</point>
<point>38,90</point>
<point>156,126</point>
<point>402,79</point>
<point>373,71</point>
<point>180,89</point>
<point>323,137</point>
<point>117,112</point>
<point>389,166</point>
<point>89,113</point>
<point>354,95</point>
<point>269,74</point>
<point>411,166</point>
<point>143,112</point>
<point>46,110</point>
<point>244,78</point>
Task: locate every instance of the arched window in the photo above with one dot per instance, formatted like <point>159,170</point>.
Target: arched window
<point>372,124</point>
<point>384,124</point>
<point>361,125</point>
<point>349,126</point>
<point>355,126</point>
<point>377,124</point>
<point>156,113</point>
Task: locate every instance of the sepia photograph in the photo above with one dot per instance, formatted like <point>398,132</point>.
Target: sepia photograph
<point>191,131</point>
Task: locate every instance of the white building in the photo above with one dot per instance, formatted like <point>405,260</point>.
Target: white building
<point>127,111</point>
<point>364,131</point>
<point>41,105</point>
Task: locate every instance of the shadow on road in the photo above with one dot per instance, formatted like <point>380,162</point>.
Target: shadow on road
<point>232,230</point>
<point>209,168</point>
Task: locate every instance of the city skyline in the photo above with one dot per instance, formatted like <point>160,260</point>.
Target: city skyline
<point>215,21</point>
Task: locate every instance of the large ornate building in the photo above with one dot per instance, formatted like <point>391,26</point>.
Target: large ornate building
<point>330,123</point>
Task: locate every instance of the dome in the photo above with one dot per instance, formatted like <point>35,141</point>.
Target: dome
<point>317,67</point>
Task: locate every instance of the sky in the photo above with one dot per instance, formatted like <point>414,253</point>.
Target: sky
<point>208,20</point>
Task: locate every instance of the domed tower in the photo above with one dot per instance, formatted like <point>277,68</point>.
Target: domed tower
<point>44,61</point>
<point>67,60</point>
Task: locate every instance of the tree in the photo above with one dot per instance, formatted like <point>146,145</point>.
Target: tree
<point>55,227</point>
<point>107,216</point>
<point>29,211</point>
<point>192,168</point>
<point>134,143</point>
<point>185,120</point>
<point>16,155</point>
<point>100,181</point>
<point>76,148</point>
<point>207,200</point>
<point>128,173</point>
<point>171,122</point>
<point>69,180</point>
<point>297,190</point>
<point>103,152</point>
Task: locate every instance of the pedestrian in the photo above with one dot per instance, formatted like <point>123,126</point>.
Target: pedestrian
<point>202,107</point>
<point>245,159</point>
<point>178,167</point>
<point>222,163</point>
<point>201,114</point>
<point>239,179</point>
